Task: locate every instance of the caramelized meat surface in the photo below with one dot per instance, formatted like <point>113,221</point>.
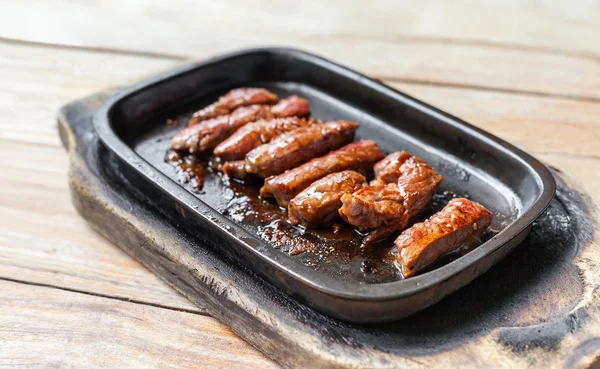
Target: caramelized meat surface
<point>385,209</point>
<point>255,134</point>
<point>418,183</point>
<point>235,169</point>
<point>358,156</point>
<point>291,106</point>
<point>296,147</point>
<point>209,133</point>
<point>233,100</point>
<point>317,205</point>
<point>375,207</point>
<point>317,172</point>
<point>388,169</point>
<point>457,223</point>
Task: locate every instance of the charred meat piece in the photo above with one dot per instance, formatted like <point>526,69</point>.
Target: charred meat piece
<point>388,169</point>
<point>233,100</point>
<point>317,205</point>
<point>418,183</point>
<point>255,134</point>
<point>385,209</point>
<point>235,169</point>
<point>209,133</point>
<point>358,156</point>
<point>291,106</point>
<point>456,224</point>
<point>296,147</point>
<point>375,207</point>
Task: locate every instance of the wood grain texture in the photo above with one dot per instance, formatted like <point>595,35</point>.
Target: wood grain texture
<point>509,22</point>
<point>35,206</point>
<point>36,81</point>
<point>517,118</point>
<point>63,329</point>
<point>58,248</point>
<point>481,45</point>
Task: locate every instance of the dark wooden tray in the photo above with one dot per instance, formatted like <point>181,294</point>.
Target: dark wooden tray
<point>537,307</point>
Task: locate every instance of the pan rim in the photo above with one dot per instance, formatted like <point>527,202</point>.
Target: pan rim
<point>326,284</point>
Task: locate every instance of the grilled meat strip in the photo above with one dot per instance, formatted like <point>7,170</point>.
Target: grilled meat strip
<point>317,205</point>
<point>232,100</point>
<point>418,183</point>
<point>208,134</point>
<point>255,134</point>
<point>291,106</point>
<point>377,208</point>
<point>385,209</point>
<point>296,147</point>
<point>358,156</point>
<point>457,223</point>
<point>235,169</point>
<point>388,169</point>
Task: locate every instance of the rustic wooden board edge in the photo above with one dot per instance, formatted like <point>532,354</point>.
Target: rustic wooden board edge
<point>264,316</point>
<point>121,221</point>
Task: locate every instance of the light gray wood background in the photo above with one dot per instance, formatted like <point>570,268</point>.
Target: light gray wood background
<point>528,72</point>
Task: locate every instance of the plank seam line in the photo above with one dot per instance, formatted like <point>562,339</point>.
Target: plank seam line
<point>98,49</point>
<point>31,143</point>
<point>582,156</point>
<point>124,299</point>
<point>388,79</point>
<point>182,58</point>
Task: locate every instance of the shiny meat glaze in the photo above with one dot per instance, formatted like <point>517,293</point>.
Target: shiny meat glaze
<point>209,133</point>
<point>375,207</point>
<point>335,249</point>
<point>317,191</point>
<point>388,169</point>
<point>385,209</point>
<point>418,183</point>
<point>235,169</point>
<point>294,148</point>
<point>456,224</point>
<point>317,205</point>
<point>232,100</point>
<point>291,106</point>
<point>255,134</point>
<point>358,156</point>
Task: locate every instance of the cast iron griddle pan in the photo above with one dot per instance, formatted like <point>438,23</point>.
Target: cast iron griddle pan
<point>329,272</point>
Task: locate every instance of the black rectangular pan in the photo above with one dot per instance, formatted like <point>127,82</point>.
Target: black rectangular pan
<point>334,274</point>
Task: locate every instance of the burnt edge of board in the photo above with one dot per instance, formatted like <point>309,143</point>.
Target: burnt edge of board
<point>296,336</point>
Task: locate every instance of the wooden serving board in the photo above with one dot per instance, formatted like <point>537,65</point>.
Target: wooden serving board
<point>538,307</point>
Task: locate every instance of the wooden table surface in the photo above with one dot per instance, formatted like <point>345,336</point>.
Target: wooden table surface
<point>528,73</point>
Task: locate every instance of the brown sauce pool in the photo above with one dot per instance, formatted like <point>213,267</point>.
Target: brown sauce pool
<point>337,250</point>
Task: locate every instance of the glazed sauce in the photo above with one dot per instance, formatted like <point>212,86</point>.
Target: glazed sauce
<point>337,249</point>
<point>189,169</point>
